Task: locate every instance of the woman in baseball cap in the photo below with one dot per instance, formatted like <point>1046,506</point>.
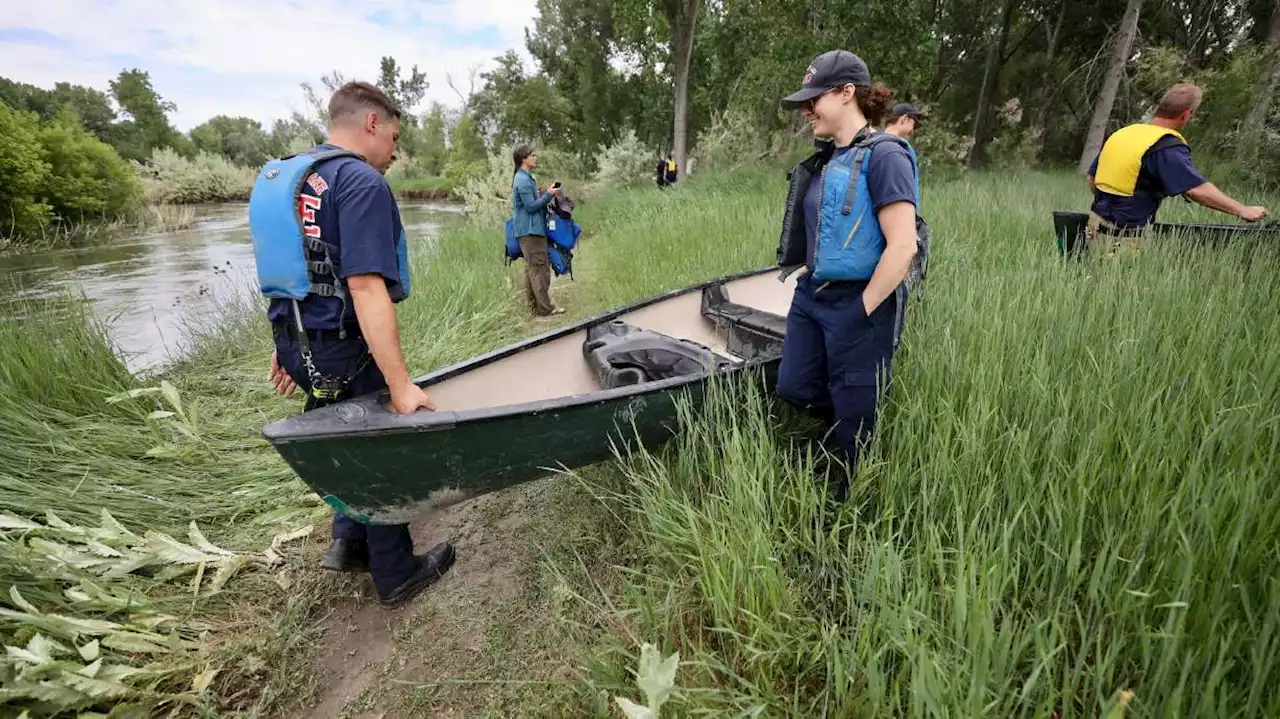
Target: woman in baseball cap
<point>850,221</point>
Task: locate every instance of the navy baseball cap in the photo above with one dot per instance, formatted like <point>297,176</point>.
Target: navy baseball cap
<point>906,109</point>
<point>828,71</point>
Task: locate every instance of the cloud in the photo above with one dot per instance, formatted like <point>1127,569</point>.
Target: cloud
<point>247,57</point>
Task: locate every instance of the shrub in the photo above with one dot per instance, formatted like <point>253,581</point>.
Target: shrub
<point>1015,147</point>
<point>941,150</point>
<point>626,162</point>
<point>171,179</point>
<point>555,164</point>
<point>23,174</point>
<point>410,169</point>
<point>486,197</point>
<point>88,179</point>
<point>731,141</point>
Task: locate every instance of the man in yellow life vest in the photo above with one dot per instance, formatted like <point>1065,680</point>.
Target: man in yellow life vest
<point>1144,163</point>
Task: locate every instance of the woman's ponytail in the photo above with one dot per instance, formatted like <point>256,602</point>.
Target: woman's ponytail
<point>519,155</point>
<point>876,102</point>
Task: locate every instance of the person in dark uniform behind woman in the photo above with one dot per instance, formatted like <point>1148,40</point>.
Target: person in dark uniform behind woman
<point>850,225</point>
<point>351,333</point>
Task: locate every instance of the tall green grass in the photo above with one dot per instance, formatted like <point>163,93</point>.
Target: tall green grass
<point>1071,497</point>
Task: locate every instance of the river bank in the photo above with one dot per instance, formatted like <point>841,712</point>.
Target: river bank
<point>1069,497</point>
<point>155,286</point>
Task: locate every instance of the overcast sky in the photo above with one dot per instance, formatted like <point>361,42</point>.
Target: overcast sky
<point>247,57</point>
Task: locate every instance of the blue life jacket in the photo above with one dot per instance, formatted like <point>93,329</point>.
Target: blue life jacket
<point>279,244</point>
<point>562,237</point>
<point>849,240</point>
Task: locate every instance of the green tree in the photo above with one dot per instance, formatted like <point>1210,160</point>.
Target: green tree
<point>29,98</point>
<point>239,139</point>
<point>148,125</point>
<point>513,107</point>
<point>298,130</point>
<point>467,153</point>
<point>574,44</point>
<point>320,104</point>
<point>406,93</point>
<point>434,144</point>
<point>23,174</point>
<point>665,32</point>
<point>91,106</point>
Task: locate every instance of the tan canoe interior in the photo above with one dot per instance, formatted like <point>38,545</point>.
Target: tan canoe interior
<point>558,368</point>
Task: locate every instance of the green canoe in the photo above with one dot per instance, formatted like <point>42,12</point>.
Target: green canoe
<point>562,399</point>
<point>1069,227</point>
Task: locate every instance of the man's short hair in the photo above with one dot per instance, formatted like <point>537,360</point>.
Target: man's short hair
<point>1178,99</point>
<point>358,98</point>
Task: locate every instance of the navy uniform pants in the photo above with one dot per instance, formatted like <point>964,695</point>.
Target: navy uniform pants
<point>391,558</point>
<point>836,358</point>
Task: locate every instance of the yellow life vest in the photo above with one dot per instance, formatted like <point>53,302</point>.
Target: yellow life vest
<point>1121,158</point>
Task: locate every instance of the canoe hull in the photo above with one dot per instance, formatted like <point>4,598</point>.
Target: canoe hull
<point>1069,227</point>
<point>382,468</point>
<point>401,478</point>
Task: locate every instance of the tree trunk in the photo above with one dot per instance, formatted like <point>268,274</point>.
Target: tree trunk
<point>984,122</point>
<point>682,18</point>
<point>1110,83</point>
<point>1045,94</point>
<point>1257,118</point>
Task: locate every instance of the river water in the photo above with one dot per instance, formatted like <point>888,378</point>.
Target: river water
<point>149,287</point>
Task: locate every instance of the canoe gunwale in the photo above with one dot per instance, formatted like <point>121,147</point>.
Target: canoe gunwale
<point>283,432</point>
<point>1069,226</point>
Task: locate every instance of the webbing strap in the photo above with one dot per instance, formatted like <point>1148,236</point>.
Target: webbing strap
<point>320,157</point>
<point>324,290</point>
<point>850,191</point>
<point>319,245</point>
<point>323,267</point>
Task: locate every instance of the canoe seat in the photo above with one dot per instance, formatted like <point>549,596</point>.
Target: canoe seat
<point>622,354</point>
<point>752,332</point>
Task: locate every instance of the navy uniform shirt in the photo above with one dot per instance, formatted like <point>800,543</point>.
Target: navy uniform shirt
<point>347,203</point>
<point>1166,170</point>
<point>890,178</point>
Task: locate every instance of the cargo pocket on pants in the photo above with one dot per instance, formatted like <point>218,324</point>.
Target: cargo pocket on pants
<point>854,398</point>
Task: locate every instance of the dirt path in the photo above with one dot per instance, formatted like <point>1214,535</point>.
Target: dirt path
<point>488,639</point>
<point>480,641</point>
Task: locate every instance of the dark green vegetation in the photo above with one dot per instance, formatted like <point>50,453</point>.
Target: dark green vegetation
<point>56,173</point>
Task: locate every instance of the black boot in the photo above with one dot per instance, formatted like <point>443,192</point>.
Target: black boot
<point>346,555</point>
<point>431,566</point>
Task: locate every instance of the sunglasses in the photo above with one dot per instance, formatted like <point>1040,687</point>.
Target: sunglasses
<point>811,102</point>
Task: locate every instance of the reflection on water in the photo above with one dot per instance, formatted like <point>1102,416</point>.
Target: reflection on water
<point>148,287</point>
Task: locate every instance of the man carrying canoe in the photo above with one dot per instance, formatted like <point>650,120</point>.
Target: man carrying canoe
<point>331,254</point>
<point>1144,163</point>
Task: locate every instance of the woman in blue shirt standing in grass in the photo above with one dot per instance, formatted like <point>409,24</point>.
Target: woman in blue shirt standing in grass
<point>850,223</point>
<point>530,226</point>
